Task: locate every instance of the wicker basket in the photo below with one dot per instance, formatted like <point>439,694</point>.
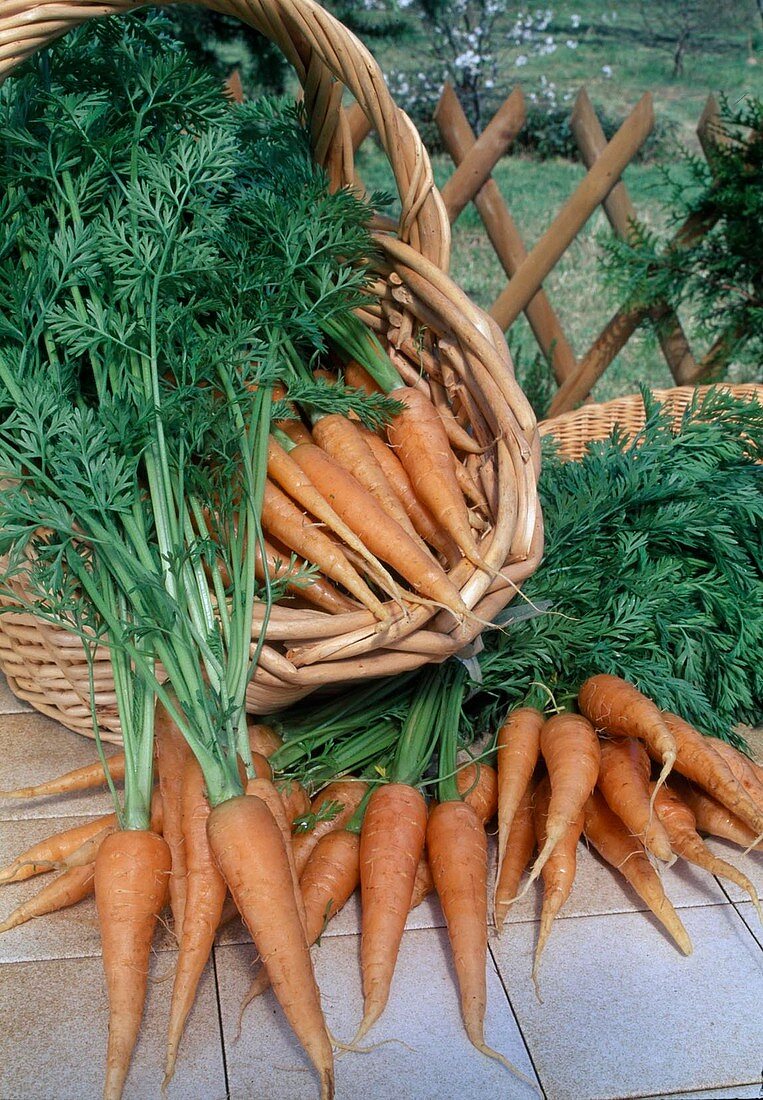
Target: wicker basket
<point>425,321</point>
<point>575,430</point>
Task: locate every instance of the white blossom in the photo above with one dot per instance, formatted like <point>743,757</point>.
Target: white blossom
<point>521,60</point>
<point>607,70</point>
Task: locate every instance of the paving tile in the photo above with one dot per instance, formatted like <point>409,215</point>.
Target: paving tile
<point>9,703</point>
<point>734,1092</point>
<point>615,988</point>
<point>420,1051</point>
<point>71,933</point>
<point>36,748</point>
<point>60,1009</point>
<point>747,912</point>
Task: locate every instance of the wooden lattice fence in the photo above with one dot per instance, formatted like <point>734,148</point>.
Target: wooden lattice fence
<point>476,157</point>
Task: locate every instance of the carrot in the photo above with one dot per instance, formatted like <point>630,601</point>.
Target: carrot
<point>697,760</point>
<point>205,897</point>
<point>421,443</point>
<point>391,842</point>
<point>346,795</point>
<point>317,591</point>
<point>296,800</point>
<point>295,429</point>
<point>269,794</point>
<point>263,739</point>
<point>81,779</point>
<point>611,839</point>
<point>712,817</point>
<point>131,873</point>
<point>342,439</point>
<point>518,746</point>
<point>172,752</point>
<point>284,520</point>
<point>741,767</point>
<point>359,378</point>
<point>420,516</point>
<point>624,781</point>
<point>572,752</point>
<point>618,708</point>
<point>681,823</point>
<point>457,848</point>
<point>382,535</point>
<point>423,884</point>
<point>48,854</point>
<point>65,890</point>
<point>477,784</point>
<point>328,881</point>
<point>248,846</point>
<point>559,870</point>
<point>520,845</point>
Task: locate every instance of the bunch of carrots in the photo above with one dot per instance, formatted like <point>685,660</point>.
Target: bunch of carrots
<point>638,784</point>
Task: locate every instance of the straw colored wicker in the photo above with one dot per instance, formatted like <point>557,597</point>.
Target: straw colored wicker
<point>429,326</point>
<point>575,430</point>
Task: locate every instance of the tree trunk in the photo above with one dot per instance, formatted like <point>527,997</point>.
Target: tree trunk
<point>681,47</point>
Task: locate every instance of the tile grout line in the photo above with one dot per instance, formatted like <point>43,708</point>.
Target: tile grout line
<point>733,904</point>
<point>220,1022</point>
<point>516,1021</point>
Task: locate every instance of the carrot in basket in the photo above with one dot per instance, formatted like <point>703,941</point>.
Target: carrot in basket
<point>284,520</point>
<point>624,781</point>
<point>131,873</point>
<point>81,779</point>
<point>420,516</point>
<point>611,839</point>
<point>204,900</point>
<point>65,890</point>
<point>520,845</point>
<point>328,881</point>
<point>382,535</point>
<point>686,841</point>
<point>48,854</point>
<point>618,708</point>
<point>712,817</point>
<point>359,379</point>
<point>343,795</point>
<point>518,746</point>
<point>391,843</point>
<point>172,752</point>
<point>421,443</point>
<point>319,592</point>
<point>558,871</point>
<point>571,749</point>
<point>697,760</point>
<point>249,849</point>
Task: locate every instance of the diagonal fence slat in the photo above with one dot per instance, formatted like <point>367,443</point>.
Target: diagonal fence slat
<point>458,138</point>
<point>621,213</point>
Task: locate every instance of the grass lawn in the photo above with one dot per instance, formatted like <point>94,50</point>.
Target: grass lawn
<point>613,35</point>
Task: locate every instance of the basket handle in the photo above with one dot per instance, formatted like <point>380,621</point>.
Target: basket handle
<point>326,57</point>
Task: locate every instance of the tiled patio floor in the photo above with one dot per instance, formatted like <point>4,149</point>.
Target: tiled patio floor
<point>623,1013</point>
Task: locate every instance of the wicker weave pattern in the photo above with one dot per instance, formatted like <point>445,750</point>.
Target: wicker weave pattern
<point>575,430</point>
<point>438,340</point>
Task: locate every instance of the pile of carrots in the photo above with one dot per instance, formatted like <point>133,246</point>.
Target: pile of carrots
<point>638,784</point>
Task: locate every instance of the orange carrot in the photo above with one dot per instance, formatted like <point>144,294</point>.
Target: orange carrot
<point>317,591</point>
<point>328,881</point>
<point>477,784</point>
<point>697,760</point>
<point>618,708</point>
<point>383,536</point>
<point>81,779</point>
<point>391,843</point>
<point>346,795</point>
<point>359,378</point>
<point>65,890</point>
<point>572,752</point>
<point>423,884</point>
<point>48,854</point>
<point>741,767</point>
<point>293,528</point>
<point>296,800</point>
<point>248,846</point>
<point>520,846</point>
<point>622,850</point>
<point>205,897</point>
<point>420,516</point>
<point>131,873</point>
<point>712,817</point>
<point>421,443</point>
<point>686,841</point>
<point>457,848</point>
<point>559,870</point>
<point>518,746</point>
<point>268,793</point>
<point>172,752</point>
<point>263,739</point>
<point>624,781</point>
